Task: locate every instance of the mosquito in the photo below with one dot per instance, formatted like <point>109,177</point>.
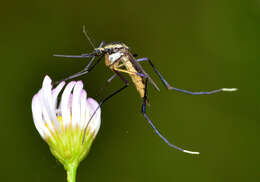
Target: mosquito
<point>120,60</point>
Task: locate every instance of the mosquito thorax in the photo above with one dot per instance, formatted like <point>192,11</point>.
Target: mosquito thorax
<point>115,45</point>
<point>111,48</point>
<point>113,51</point>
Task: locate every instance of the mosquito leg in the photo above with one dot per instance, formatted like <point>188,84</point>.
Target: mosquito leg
<point>93,55</point>
<point>73,76</point>
<point>181,90</point>
<point>154,128</point>
<point>106,98</point>
<point>93,58</point>
<point>75,56</point>
<point>130,72</point>
<point>106,84</point>
<point>113,76</point>
<point>135,55</point>
<point>82,72</point>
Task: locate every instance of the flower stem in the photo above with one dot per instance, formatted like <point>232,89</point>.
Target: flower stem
<point>71,172</point>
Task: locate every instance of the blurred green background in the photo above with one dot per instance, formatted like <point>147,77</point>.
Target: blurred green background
<point>197,45</point>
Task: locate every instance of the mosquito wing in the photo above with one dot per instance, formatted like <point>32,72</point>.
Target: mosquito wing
<point>140,69</point>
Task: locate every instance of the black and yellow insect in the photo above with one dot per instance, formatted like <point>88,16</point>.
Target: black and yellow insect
<point>120,60</point>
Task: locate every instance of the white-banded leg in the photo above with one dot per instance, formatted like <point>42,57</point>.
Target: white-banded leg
<point>167,85</point>
<point>154,128</point>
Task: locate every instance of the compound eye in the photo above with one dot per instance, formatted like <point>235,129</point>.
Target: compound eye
<point>99,52</point>
<point>109,50</point>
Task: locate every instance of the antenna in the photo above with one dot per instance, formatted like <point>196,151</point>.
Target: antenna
<point>86,35</point>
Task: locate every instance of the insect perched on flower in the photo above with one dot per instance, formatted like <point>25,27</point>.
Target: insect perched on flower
<point>62,125</point>
<point>120,60</point>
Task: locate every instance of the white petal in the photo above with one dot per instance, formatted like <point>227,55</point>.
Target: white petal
<point>65,99</point>
<point>94,125</point>
<point>47,100</point>
<point>55,93</point>
<point>37,117</point>
<point>46,87</point>
<point>83,103</point>
<point>76,103</point>
<point>45,111</point>
<point>88,114</point>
